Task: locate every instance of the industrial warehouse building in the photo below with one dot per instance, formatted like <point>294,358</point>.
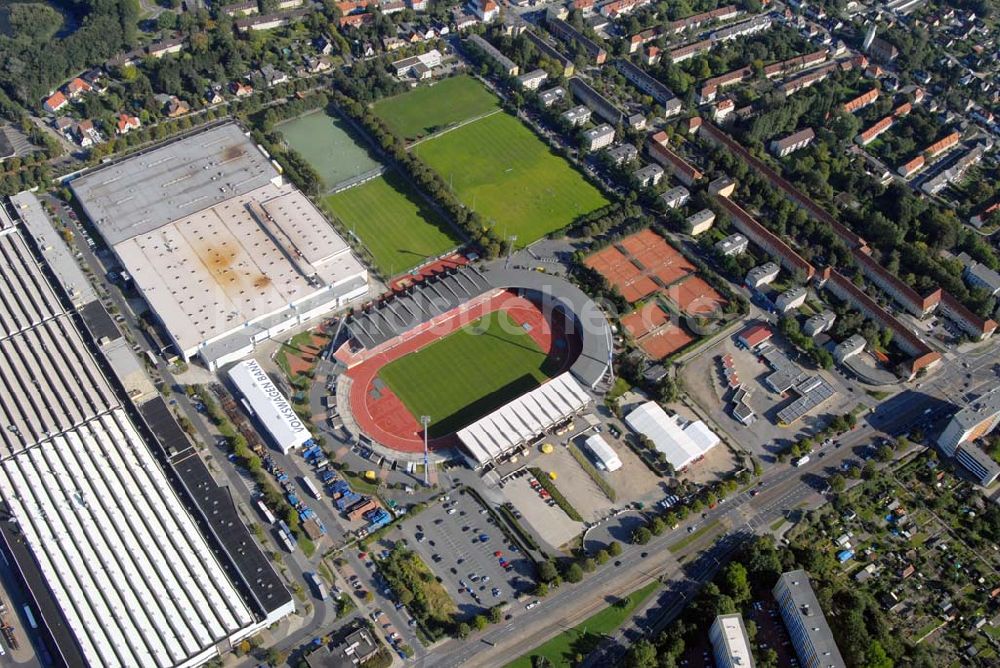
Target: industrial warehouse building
<point>118,571</point>
<point>682,444</point>
<point>269,406</point>
<point>224,251</point>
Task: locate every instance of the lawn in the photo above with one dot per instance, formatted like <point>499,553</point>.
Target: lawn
<point>329,146</point>
<point>469,373</point>
<point>397,226</point>
<point>427,109</point>
<point>500,169</point>
<point>584,637</point>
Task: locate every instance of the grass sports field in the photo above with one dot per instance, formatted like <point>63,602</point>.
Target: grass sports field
<point>466,375</point>
<point>424,110</point>
<point>393,221</point>
<point>327,144</point>
<point>499,168</point>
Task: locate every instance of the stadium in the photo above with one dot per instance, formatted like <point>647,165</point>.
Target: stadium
<point>495,358</point>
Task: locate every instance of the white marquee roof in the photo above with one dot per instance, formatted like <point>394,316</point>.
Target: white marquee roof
<point>524,418</point>
<point>681,445</point>
<point>604,452</point>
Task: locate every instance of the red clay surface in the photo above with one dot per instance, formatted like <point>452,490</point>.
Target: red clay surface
<point>634,263</point>
<point>666,340</point>
<point>382,416</point>
<point>695,297</point>
<point>654,332</point>
<point>429,269</point>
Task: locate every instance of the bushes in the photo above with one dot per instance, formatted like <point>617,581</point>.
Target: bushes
<point>556,495</point>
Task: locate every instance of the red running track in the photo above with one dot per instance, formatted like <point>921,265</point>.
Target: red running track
<point>382,416</point>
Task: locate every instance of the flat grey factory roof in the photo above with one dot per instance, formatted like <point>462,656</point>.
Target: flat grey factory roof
<point>55,251</point>
<point>141,193</point>
<point>388,319</point>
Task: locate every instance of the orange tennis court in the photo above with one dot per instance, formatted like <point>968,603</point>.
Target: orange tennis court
<point>694,296</point>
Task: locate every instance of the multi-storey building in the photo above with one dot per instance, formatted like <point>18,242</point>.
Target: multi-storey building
<point>807,626</point>
<point>975,420</point>
<point>730,643</point>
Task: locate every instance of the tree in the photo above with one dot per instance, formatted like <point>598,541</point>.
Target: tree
<point>657,526</point>
<point>602,557</point>
<point>736,583</point>
<point>547,571</point>
<point>877,657</point>
<point>641,535</point>
<point>463,630</point>
<point>588,565</point>
<point>615,548</point>
<point>405,596</point>
<point>496,614</point>
<point>837,482</point>
<point>480,622</point>
<point>574,573</point>
<point>541,590</point>
<point>884,454</point>
<point>641,655</point>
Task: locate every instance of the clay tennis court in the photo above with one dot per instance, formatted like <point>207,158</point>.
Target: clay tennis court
<point>640,265</point>
<point>695,297</point>
<point>654,332</point>
<point>666,340</point>
<point>383,417</point>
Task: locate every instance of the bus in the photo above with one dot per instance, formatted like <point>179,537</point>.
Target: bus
<point>801,461</point>
<point>266,512</point>
<point>318,586</point>
<point>30,617</point>
<point>310,487</point>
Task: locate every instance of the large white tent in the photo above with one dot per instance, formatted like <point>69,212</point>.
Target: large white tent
<point>681,445</point>
<point>524,419</point>
<point>604,453</point>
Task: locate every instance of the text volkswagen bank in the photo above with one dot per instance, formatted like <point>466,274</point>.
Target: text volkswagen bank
<point>269,406</point>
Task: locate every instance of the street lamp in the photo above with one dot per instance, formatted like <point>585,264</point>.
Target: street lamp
<point>425,420</point>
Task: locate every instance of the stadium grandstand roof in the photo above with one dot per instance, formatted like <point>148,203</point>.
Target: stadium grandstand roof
<point>523,419</point>
<point>428,299</point>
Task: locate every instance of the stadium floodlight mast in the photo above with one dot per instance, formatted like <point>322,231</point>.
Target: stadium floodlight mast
<point>425,420</point>
<point>510,249</point>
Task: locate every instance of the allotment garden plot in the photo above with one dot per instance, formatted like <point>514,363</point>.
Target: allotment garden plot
<point>500,169</point>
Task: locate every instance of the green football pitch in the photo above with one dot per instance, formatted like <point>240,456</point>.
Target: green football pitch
<point>393,222</point>
<point>426,109</point>
<point>469,373</point>
<point>500,169</point>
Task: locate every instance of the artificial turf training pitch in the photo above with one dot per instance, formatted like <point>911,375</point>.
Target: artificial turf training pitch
<point>500,169</point>
<point>468,373</point>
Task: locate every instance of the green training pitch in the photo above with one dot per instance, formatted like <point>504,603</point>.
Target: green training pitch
<point>427,109</point>
<point>328,144</point>
<point>499,168</point>
<point>397,226</point>
<point>469,373</point>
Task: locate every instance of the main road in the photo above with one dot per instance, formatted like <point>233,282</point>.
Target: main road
<point>782,490</point>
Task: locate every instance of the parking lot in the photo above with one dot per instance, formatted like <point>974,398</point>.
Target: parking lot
<point>460,542</point>
<point>548,521</point>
